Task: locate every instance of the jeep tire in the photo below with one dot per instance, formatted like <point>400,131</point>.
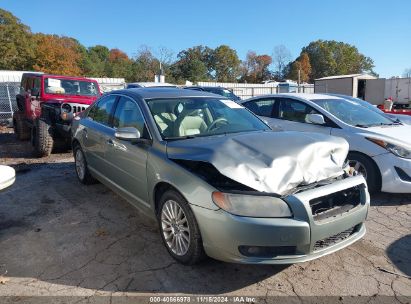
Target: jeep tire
<point>42,138</point>
<point>21,130</point>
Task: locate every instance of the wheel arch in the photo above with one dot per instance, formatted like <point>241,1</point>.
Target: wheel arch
<point>379,177</point>
<point>158,190</point>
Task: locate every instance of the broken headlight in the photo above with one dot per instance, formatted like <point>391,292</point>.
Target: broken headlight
<point>394,149</point>
<point>252,205</point>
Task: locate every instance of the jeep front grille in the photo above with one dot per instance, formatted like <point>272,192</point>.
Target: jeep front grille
<point>76,109</point>
<point>73,108</point>
<point>336,203</point>
<point>334,239</point>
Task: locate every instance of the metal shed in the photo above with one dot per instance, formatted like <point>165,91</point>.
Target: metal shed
<point>353,84</point>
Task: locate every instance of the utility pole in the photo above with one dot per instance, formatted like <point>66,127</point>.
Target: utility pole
<point>299,79</point>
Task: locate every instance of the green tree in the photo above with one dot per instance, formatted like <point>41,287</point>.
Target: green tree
<point>329,57</point>
<point>225,64</point>
<point>193,64</point>
<point>255,68</point>
<point>95,61</point>
<point>16,43</point>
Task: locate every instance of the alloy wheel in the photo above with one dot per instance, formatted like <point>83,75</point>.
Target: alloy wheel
<point>175,228</point>
<point>80,164</point>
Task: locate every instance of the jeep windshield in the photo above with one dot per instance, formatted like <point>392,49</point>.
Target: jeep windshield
<point>194,117</point>
<point>70,87</point>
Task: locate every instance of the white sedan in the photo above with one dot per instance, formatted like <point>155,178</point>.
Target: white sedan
<point>380,147</point>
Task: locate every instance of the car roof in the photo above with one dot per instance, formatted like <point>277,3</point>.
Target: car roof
<point>152,84</point>
<point>308,96</point>
<point>311,96</point>
<point>205,87</point>
<point>150,93</point>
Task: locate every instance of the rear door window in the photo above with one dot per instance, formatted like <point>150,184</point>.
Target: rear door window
<point>262,107</point>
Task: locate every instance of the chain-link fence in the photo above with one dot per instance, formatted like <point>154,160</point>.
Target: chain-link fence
<point>8,105</point>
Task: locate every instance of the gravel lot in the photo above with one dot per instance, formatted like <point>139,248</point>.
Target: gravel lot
<point>60,238</point>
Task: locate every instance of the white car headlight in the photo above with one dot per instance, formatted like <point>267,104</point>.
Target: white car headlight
<point>394,149</point>
<point>252,205</point>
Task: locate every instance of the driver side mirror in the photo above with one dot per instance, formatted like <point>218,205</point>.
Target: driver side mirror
<point>127,133</point>
<point>316,119</point>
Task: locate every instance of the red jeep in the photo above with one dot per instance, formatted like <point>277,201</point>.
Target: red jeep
<point>46,106</point>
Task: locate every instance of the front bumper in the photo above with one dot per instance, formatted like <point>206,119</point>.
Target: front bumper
<point>223,233</point>
<point>389,164</point>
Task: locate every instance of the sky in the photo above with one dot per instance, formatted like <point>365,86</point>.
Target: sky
<point>379,29</point>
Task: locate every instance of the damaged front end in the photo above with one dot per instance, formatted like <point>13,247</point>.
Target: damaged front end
<point>287,196</point>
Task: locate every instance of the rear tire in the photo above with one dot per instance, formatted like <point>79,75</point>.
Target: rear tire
<point>366,165</point>
<point>21,130</point>
<point>42,138</point>
<point>82,172</point>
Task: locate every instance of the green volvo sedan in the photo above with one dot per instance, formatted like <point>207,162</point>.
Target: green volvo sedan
<point>218,180</point>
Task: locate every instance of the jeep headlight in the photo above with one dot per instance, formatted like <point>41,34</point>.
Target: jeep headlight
<point>66,108</point>
<point>394,149</point>
<point>252,205</point>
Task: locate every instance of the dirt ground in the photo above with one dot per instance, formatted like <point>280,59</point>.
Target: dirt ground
<point>73,242</point>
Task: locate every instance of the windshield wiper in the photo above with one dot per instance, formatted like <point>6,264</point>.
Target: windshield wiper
<point>395,123</point>
<point>362,126</point>
<point>180,137</point>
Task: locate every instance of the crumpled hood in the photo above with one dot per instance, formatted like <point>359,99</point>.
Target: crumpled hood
<point>273,162</point>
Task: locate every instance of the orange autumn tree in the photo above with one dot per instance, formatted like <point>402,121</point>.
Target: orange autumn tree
<point>57,55</point>
<point>303,65</point>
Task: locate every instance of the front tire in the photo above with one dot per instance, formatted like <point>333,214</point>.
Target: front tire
<point>82,172</point>
<point>42,138</point>
<point>179,229</point>
<point>365,166</point>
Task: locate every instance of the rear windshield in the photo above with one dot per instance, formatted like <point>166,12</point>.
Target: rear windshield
<point>70,87</point>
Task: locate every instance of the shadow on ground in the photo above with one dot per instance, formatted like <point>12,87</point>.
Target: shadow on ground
<point>399,254</point>
<point>390,199</point>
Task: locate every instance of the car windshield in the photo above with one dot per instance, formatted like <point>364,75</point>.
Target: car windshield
<point>194,117</point>
<point>352,113</point>
<point>70,87</point>
<point>363,103</point>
